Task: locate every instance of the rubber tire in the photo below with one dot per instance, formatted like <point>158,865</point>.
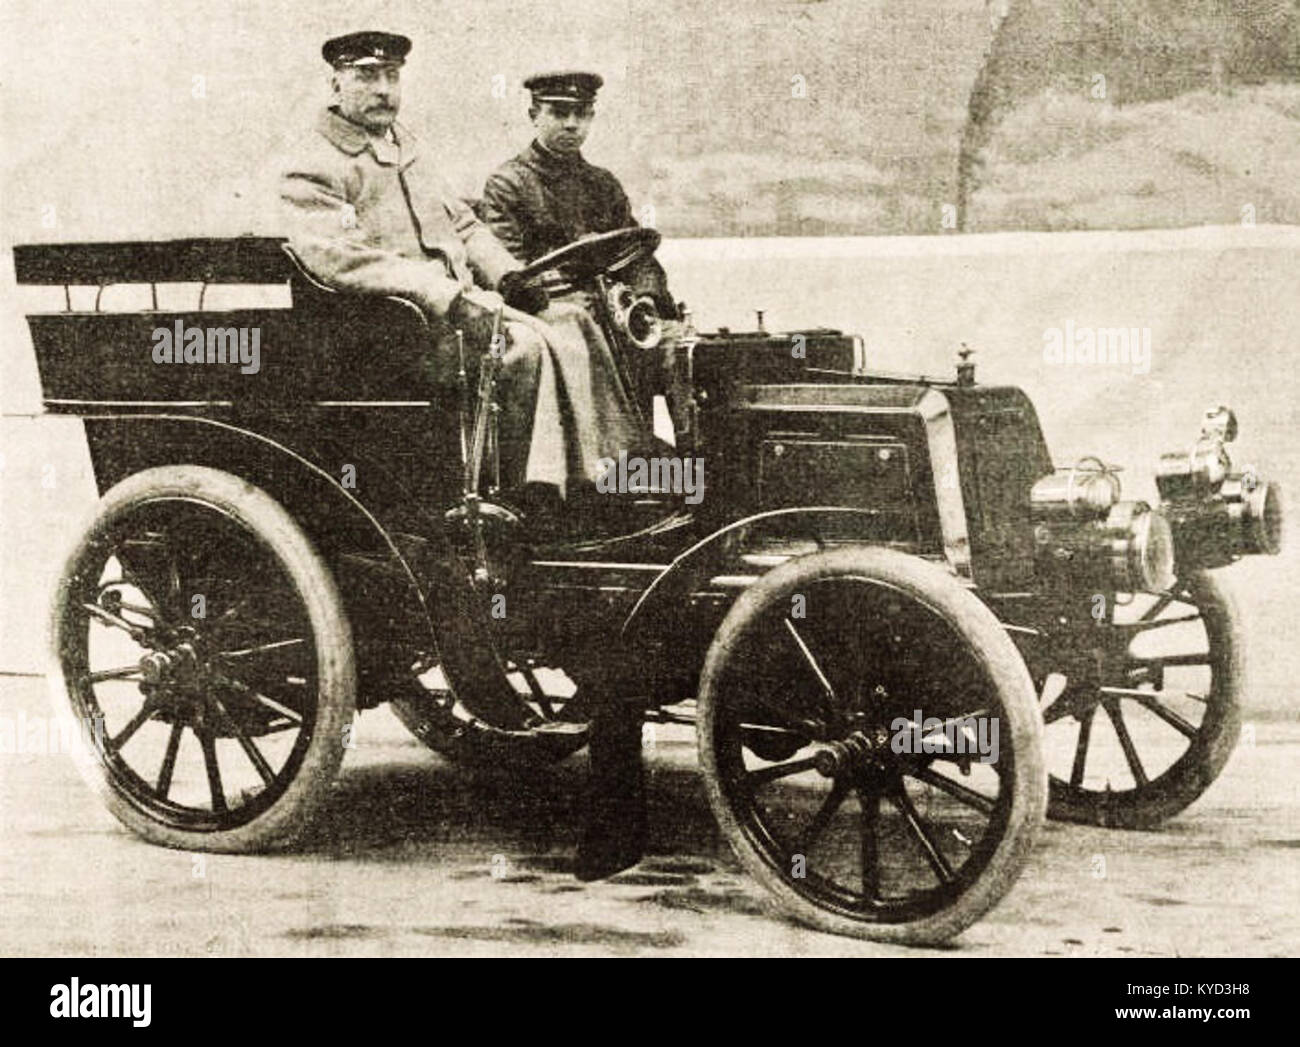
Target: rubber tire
<point>1195,771</point>
<point>936,588</point>
<point>288,817</point>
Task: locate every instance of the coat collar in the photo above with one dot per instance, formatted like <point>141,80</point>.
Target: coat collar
<point>538,156</point>
<point>354,140</point>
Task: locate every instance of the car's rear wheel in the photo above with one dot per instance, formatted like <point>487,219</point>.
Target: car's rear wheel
<point>871,745</point>
<point>486,739</point>
<point>201,649</point>
<point>493,700</point>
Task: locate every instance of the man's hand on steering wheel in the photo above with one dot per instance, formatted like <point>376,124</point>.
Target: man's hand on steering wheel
<point>576,265</point>
<point>520,294</point>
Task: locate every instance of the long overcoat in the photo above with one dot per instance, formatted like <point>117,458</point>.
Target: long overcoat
<point>373,215</point>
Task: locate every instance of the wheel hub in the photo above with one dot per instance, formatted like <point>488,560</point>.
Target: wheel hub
<point>860,751</point>
<point>1102,660</point>
<point>179,676</point>
<point>177,664</point>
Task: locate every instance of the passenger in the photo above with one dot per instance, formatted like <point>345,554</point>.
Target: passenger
<point>367,211</point>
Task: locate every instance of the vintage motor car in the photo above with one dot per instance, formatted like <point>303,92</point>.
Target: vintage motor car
<point>903,634</point>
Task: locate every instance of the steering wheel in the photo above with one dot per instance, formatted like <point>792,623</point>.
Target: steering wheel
<point>570,267</point>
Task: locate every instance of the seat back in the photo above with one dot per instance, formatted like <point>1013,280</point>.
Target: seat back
<point>325,347</point>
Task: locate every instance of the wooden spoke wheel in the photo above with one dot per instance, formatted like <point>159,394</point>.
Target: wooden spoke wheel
<point>1142,708</point>
<point>842,710</point>
<point>201,649</point>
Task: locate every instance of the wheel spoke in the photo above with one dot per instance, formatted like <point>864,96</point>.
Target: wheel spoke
<point>779,770</point>
<point>169,760</point>
<point>1058,710</point>
<point>124,735</point>
<point>246,743</point>
<point>147,609</point>
<point>942,726</point>
<point>1170,717</point>
<point>1138,693</point>
<point>283,710</point>
<point>244,691</point>
<point>767,730</point>
<point>129,577</point>
<point>262,648</point>
<point>1145,624</point>
<point>869,800</point>
<point>955,789</point>
<point>539,694</point>
<point>824,814</point>
<point>136,632</point>
<point>209,744</point>
<point>811,728</point>
<point>1157,608</point>
<point>1081,747</point>
<point>832,701</point>
<point>1199,658</point>
<point>1111,705</point>
<point>929,847</point>
<point>120,673</point>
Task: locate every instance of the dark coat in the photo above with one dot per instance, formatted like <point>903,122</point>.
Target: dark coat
<point>539,201</point>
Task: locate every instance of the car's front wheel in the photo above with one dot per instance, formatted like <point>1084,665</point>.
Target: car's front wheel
<point>871,745</point>
<point>1143,706</point>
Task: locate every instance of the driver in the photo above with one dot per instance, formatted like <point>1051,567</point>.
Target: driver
<point>367,211</point>
<point>549,195</point>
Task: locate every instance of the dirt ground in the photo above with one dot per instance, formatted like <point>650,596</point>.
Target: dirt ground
<point>414,857</point>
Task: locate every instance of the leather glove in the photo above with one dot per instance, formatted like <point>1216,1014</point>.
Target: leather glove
<point>520,295</point>
<point>475,314</point>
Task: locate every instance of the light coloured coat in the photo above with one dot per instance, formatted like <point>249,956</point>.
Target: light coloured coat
<point>374,216</point>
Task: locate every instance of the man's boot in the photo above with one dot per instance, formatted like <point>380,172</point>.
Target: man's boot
<point>615,818</point>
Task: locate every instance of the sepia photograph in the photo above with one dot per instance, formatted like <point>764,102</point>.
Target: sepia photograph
<point>559,478</point>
